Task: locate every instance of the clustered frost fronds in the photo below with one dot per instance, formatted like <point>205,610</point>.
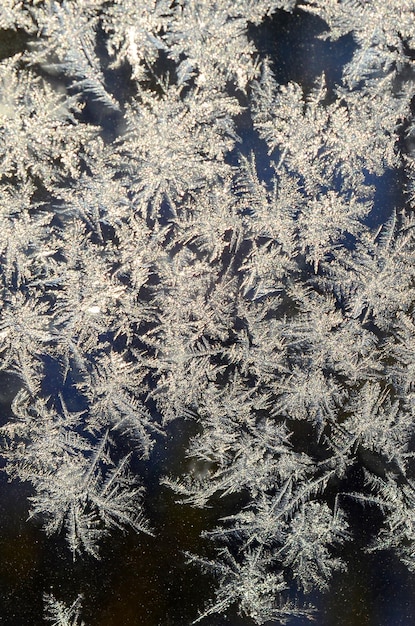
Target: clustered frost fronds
<point>163,271</point>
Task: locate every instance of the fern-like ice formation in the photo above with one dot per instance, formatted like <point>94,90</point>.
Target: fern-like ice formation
<point>164,271</point>
<point>58,614</point>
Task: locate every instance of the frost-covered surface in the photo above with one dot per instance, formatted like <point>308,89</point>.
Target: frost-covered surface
<point>163,272</point>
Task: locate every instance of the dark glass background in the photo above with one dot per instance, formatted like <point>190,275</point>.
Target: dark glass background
<point>143,580</point>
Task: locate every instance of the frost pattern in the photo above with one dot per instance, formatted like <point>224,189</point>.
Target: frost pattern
<point>58,614</point>
<point>163,270</point>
